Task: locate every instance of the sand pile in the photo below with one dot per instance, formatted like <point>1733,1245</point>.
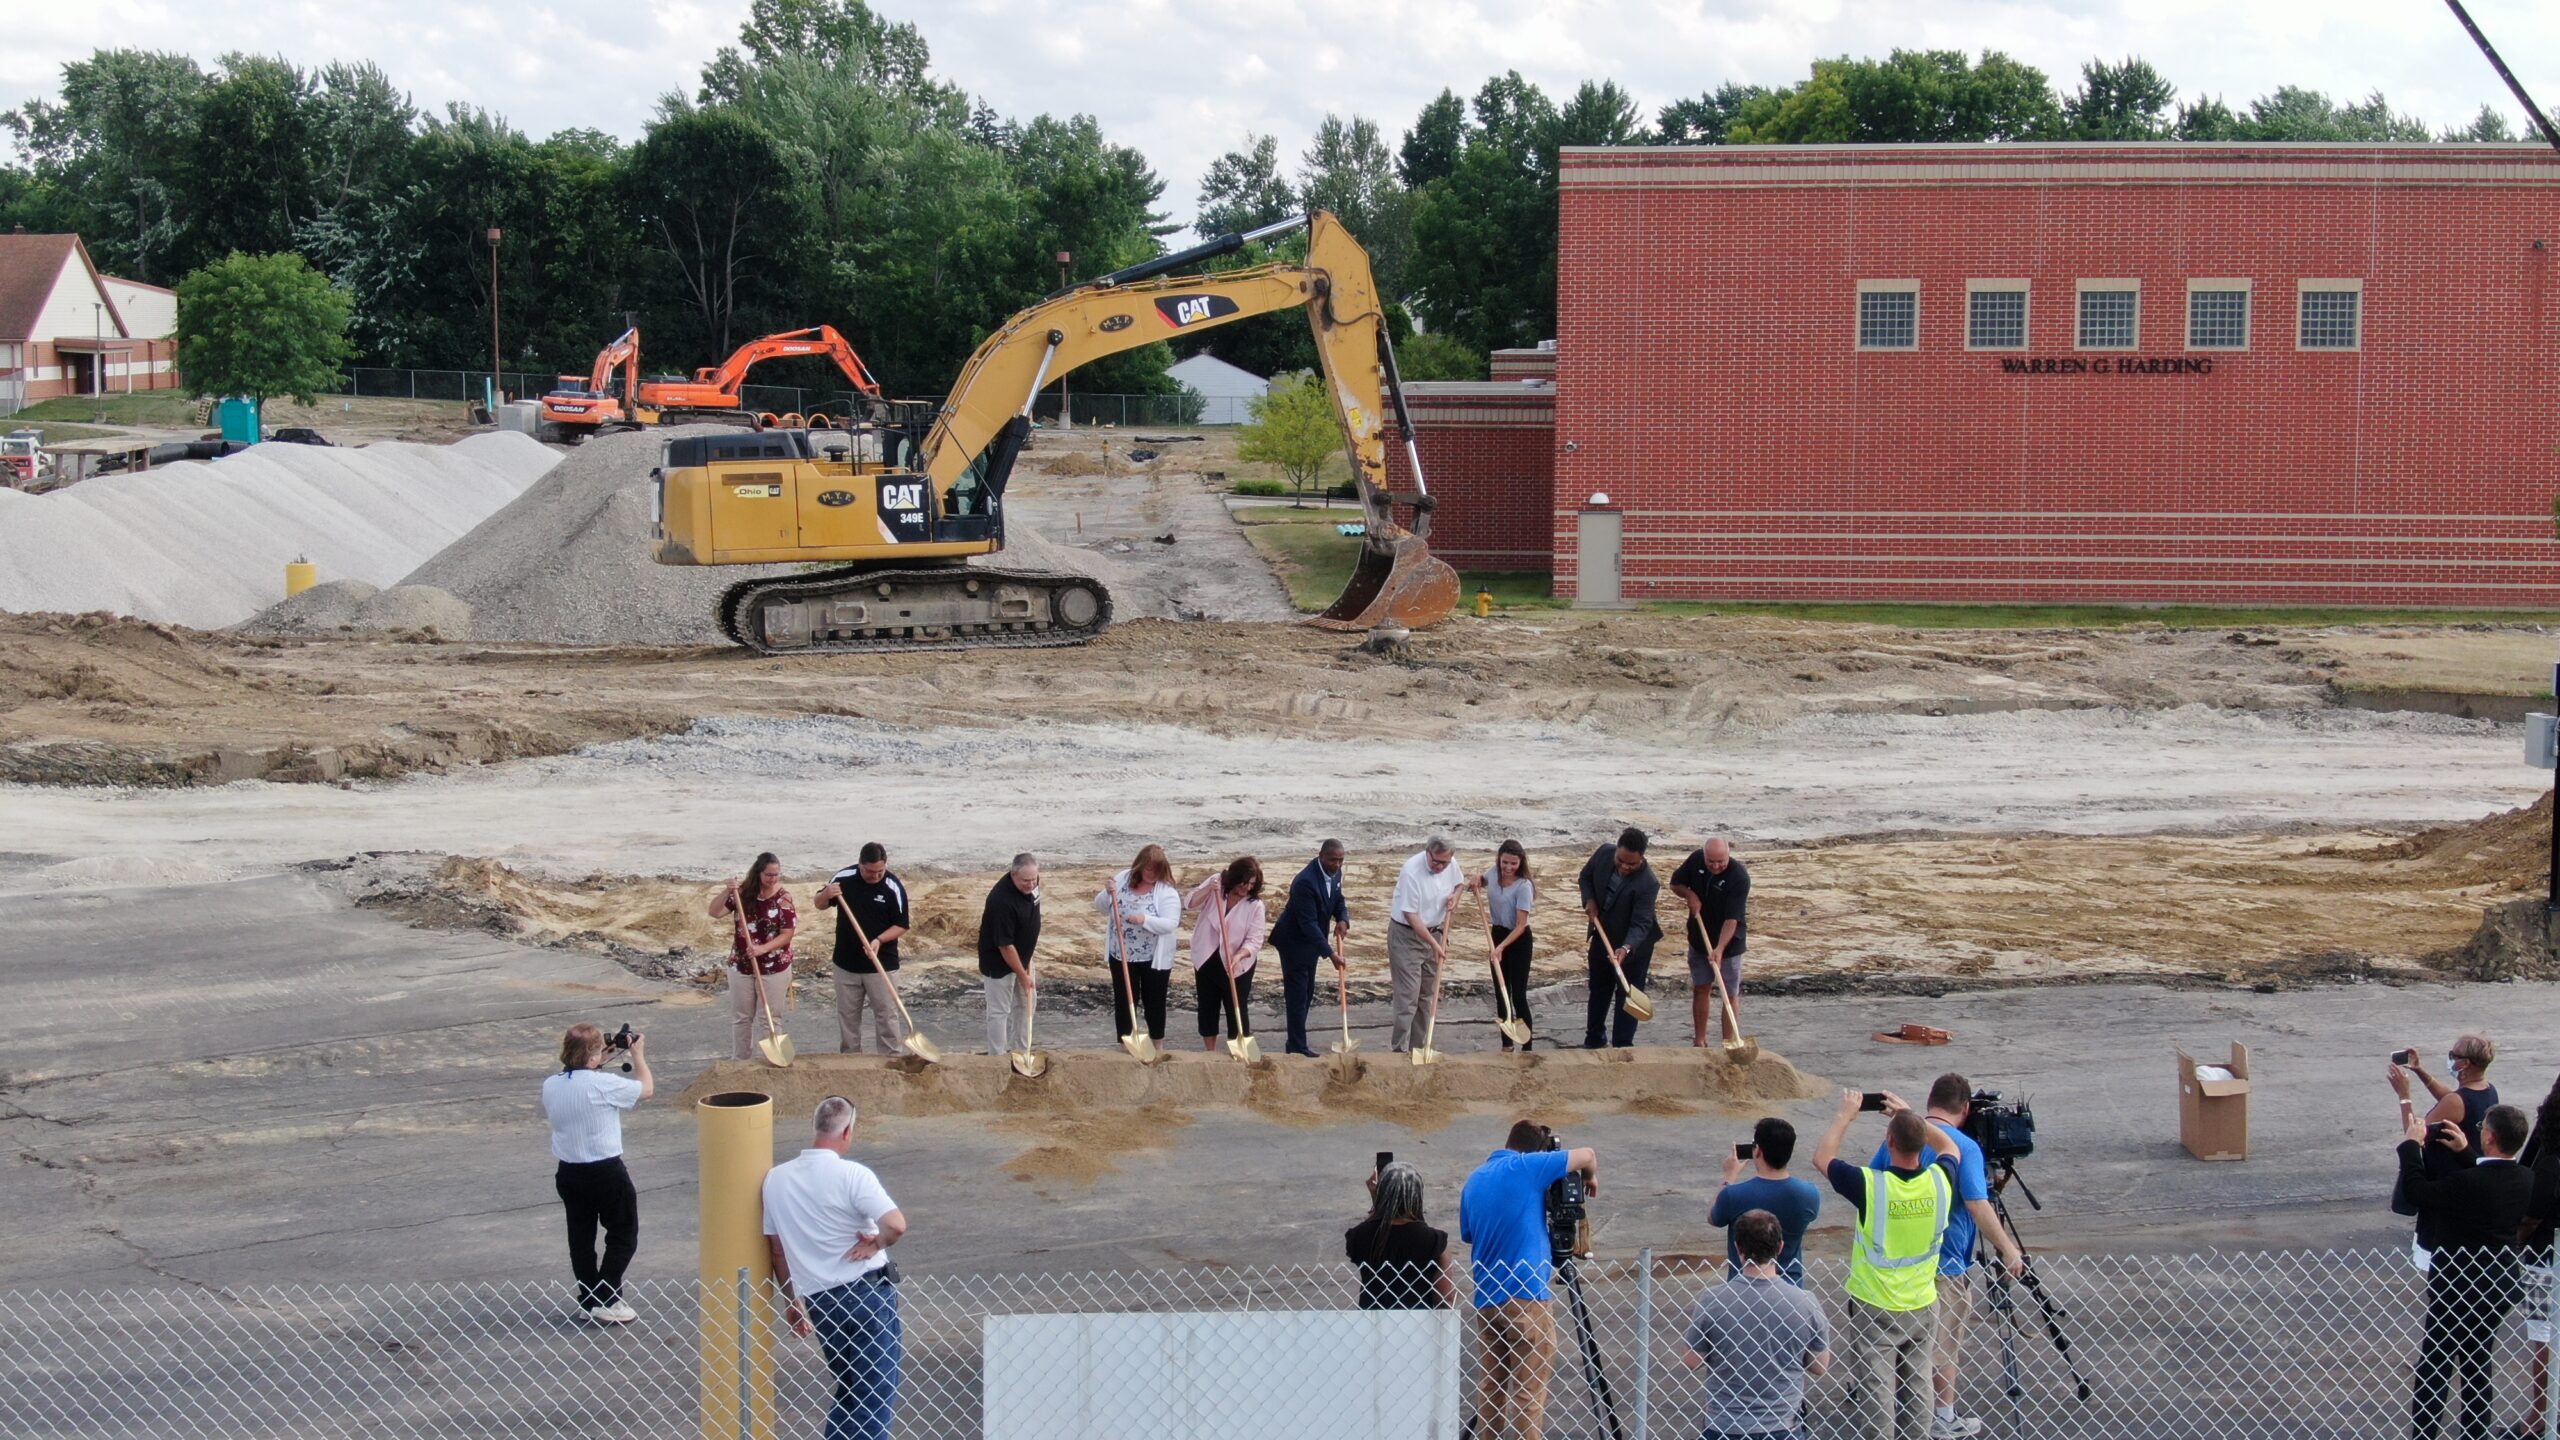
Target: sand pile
<point>205,544</point>
<point>339,607</point>
<point>569,560</point>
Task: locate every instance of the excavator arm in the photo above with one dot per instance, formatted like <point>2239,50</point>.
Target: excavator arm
<point>985,418</point>
<point>731,373</point>
<point>623,355</point>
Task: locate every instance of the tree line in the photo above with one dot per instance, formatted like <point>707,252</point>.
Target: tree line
<point>821,172</point>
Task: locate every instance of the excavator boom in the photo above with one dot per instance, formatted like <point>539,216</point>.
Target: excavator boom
<point>716,387</point>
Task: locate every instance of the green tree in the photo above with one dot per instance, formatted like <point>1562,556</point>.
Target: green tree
<point>844,35</point>
<point>1430,149</point>
<point>1910,95</point>
<point>1429,356</point>
<point>249,173</point>
<point>720,220</point>
<point>1706,119</point>
<point>113,151</point>
<point>2487,125</point>
<point>1244,189</point>
<point>2124,101</point>
<point>1346,170</point>
<point>261,325</point>
<point>1294,428</point>
<point>2207,119</point>
<point>2293,112</point>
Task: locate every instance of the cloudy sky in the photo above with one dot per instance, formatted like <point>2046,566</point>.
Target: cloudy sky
<point>1185,79</point>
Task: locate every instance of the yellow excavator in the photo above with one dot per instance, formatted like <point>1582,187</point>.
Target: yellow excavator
<point>899,505</point>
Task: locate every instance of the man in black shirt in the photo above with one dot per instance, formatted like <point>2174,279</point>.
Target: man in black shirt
<point>1008,931</point>
<point>1618,893</point>
<point>2472,1282</point>
<point>866,893</point>
<point>1717,889</point>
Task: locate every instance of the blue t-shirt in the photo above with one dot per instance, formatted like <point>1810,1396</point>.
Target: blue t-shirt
<point>1973,1182</point>
<point>1795,1202</point>
<point>1502,1215</point>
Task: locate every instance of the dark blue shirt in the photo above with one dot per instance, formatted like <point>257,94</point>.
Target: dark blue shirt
<point>1795,1203</point>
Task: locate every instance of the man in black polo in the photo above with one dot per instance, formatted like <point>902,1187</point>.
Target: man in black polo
<point>868,895</point>
<point>1008,931</point>
<point>1717,890</point>
<point>1618,892</point>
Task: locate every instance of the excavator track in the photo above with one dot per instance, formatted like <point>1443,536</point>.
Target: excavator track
<point>860,610</point>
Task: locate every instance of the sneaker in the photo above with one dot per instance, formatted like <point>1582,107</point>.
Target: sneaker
<point>1953,1427</point>
<point>620,1313</point>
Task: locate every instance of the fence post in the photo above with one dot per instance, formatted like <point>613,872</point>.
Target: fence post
<point>1644,1340</point>
<point>2550,1383</point>
<point>746,1363</point>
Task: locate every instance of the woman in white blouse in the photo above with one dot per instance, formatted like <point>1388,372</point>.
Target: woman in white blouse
<point>1144,916</point>
<point>1233,897</point>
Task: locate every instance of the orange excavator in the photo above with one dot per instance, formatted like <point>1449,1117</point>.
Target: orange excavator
<point>712,394</point>
<point>575,411</point>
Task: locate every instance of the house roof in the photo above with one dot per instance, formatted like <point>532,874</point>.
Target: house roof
<point>29,264</point>
<point>1206,361</point>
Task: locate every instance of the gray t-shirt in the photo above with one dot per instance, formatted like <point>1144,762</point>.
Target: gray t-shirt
<point>1504,904</point>
<point>1756,1336</point>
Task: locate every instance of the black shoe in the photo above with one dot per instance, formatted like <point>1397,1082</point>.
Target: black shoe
<point>1310,1054</point>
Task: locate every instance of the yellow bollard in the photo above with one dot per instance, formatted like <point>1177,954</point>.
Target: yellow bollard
<point>299,575</point>
<point>736,1134</point>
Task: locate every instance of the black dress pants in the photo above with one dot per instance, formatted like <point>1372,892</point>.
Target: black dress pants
<point>599,1192</point>
<point>1515,973</point>
<point>1153,985</point>
<point>1211,978</point>
<point>2469,1292</point>
<point>1606,1023</point>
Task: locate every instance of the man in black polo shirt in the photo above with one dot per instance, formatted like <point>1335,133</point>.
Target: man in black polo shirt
<point>1717,890</point>
<point>1008,931</point>
<point>866,893</point>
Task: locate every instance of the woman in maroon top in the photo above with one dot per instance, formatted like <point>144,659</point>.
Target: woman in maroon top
<point>759,955</point>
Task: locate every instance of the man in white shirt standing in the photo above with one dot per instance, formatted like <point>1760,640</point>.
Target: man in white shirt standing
<point>1418,935</point>
<point>829,1226</point>
<point>584,1106</point>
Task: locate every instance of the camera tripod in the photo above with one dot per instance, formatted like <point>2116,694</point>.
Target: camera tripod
<point>2004,1305</point>
<point>1569,1270</point>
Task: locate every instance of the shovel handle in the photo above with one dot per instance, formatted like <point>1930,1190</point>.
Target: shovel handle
<point>1732,1027</point>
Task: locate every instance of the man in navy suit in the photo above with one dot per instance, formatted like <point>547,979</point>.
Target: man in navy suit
<point>1312,925</point>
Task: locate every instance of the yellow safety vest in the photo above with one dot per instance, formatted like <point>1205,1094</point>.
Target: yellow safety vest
<point>1895,1263</point>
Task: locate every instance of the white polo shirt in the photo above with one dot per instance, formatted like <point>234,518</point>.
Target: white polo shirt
<point>818,1204</point>
<point>1422,894</point>
<point>585,1110</point>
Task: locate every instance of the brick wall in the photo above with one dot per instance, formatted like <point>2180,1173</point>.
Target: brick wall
<point>1488,454</point>
<point>1710,381</point>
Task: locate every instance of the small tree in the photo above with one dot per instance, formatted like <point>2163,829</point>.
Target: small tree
<point>1294,428</point>
<point>1434,356</point>
<point>262,325</point>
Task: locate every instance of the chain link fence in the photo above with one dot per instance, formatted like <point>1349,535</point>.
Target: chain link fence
<point>2318,1345</point>
<point>374,382</point>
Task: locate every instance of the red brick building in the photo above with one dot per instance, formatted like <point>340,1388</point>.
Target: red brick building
<point>2129,373</point>
<point>1493,442</point>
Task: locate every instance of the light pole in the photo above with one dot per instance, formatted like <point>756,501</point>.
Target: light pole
<point>493,317</point>
<point>1065,422</point>
<point>98,354</point>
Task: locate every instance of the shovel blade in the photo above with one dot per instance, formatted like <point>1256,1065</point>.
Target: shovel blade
<point>1515,1031</point>
<point>1639,1004</point>
<point>1743,1051</point>
<point>1030,1064</point>
<point>1140,1048</point>
<point>1346,1047</point>
<point>777,1051</point>
<point>1249,1050</point>
<point>924,1050</point>
<point>1425,1055</point>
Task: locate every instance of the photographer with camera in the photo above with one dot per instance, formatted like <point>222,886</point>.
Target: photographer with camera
<point>1756,1178</point>
<point>1904,1207</point>
<point>1950,1106</point>
<point>1503,1215</point>
<point>584,1106</point>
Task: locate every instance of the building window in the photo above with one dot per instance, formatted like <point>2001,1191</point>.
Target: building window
<point>1995,315</point>
<point>1888,314</point>
<point>2217,314</point>
<point>2332,315</point>
<point>2110,314</point>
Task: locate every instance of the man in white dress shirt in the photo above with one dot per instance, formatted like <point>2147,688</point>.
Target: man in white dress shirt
<point>1418,936</point>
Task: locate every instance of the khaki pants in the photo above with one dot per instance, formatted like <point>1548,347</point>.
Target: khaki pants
<point>1413,968</point>
<point>1888,1376</point>
<point>1008,1018</point>
<point>1519,1344</point>
<point>854,990</point>
<point>1955,1311</point>
<point>746,1016</point>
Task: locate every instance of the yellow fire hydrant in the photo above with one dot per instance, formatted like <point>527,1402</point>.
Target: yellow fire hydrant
<point>1484,603</point>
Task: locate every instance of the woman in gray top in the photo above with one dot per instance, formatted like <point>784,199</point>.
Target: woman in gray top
<point>1508,895</point>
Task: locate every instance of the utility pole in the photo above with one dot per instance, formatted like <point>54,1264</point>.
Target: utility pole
<point>1065,422</point>
<point>494,382</point>
<point>98,354</point>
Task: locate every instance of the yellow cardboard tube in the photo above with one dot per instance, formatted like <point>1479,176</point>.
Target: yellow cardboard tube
<point>736,1133</point>
<point>299,575</point>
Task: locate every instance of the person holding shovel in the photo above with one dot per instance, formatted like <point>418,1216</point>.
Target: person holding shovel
<point>1008,931</point>
<point>1144,921</point>
<point>1418,937</point>
<point>871,913</point>
<point>1717,889</point>
<point>1228,935</point>
<point>1618,893</point>
<point>1508,895</point>
<point>763,921</point>
<point>1312,926</point>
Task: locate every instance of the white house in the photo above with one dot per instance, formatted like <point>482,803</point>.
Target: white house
<point>1227,388</point>
<point>67,329</point>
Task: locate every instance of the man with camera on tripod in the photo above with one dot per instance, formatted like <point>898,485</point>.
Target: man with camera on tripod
<point>1950,1103</point>
<point>1502,1215</point>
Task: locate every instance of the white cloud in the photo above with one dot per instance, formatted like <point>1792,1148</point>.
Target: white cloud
<point>1183,80</point>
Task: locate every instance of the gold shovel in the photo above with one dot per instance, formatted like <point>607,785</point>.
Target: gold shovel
<point>918,1046</point>
<point>1244,1047</point>
<point>1739,1049</point>
<point>1423,1054</point>
<point>1029,1063</point>
<point>776,1047</point>
<point>1137,1042</point>
<point>1513,1028</point>
<point>1637,1003</point>
<point>1345,1065</point>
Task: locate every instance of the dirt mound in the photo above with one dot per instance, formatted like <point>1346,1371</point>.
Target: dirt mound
<point>2511,848</point>
<point>2519,940</point>
<point>340,607</point>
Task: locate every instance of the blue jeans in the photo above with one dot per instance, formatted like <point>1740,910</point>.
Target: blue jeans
<point>858,1328</point>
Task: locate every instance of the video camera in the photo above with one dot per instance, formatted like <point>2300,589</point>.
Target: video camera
<point>1568,1210</point>
<point>2005,1129</point>
<point>621,1040</point>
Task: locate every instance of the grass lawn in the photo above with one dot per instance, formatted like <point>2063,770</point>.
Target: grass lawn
<point>57,433</point>
<point>163,409</point>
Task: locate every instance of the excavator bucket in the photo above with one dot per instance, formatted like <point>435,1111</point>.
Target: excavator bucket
<point>1397,580</point>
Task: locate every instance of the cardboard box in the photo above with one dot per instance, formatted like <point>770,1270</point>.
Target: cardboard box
<point>2213,1115</point>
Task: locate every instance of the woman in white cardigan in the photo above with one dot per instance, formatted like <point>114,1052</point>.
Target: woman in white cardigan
<point>1138,939</point>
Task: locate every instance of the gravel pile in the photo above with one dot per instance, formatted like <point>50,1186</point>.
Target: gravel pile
<point>337,607</point>
<point>205,544</point>
<point>569,562</point>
